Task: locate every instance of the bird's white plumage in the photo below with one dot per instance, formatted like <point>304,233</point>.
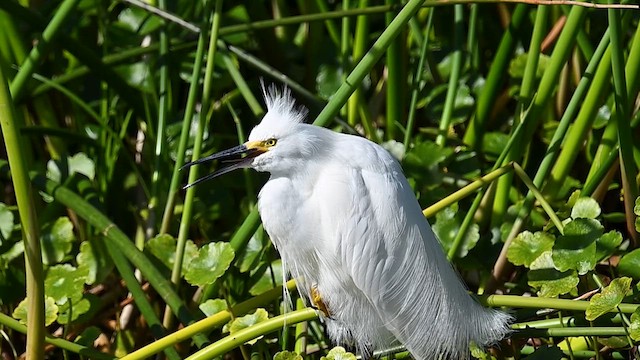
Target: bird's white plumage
<point>345,221</point>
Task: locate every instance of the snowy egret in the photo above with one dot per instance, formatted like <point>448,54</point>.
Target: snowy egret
<point>350,231</point>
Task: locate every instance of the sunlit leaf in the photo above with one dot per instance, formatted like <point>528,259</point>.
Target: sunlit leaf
<point>614,342</point>
<point>576,249</point>
<point>56,240</point>
<point>211,262</point>
<point>64,282</point>
<point>527,246</point>
<point>76,309</point>
<point>634,328</point>
<point>213,306</point>
<point>610,297</point>
<point>338,353</point>
<point>550,282</point>
<point>246,321</point>
<point>50,311</point>
<point>585,207</point>
<point>163,247</point>
<point>630,264</point>
<point>94,261</point>
<point>80,163</point>
<point>287,355</point>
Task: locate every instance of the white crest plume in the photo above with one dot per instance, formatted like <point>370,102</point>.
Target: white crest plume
<point>282,105</point>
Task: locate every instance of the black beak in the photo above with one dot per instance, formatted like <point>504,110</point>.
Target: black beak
<point>232,157</point>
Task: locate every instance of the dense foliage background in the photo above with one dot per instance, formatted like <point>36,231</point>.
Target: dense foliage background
<point>101,102</point>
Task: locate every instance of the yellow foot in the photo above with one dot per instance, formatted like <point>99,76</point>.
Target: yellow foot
<point>316,299</point>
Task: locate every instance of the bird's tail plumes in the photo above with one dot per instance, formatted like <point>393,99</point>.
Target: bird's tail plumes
<point>438,319</point>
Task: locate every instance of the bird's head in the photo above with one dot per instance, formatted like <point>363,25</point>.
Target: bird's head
<point>277,144</point>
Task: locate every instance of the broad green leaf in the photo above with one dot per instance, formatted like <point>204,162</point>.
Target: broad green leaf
<point>527,246</point>
<point>630,264</point>
<point>265,283</point>
<point>447,227</point>
<point>614,342</point>
<point>286,355</point>
<point>6,222</point>
<point>57,240</point>
<point>610,297</point>
<point>585,207</point>
<point>607,244</point>
<point>518,64</point>
<point>77,308</point>
<point>426,154</point>
<point>64,282</point>
<point>246,321</point>
<point>576,249</point>
<point>163,247</point>
<point>213,306</point>
<point>50,311</point>
<point>80,163</point>
<point>94,261</point>
<point>212,261</point>
<point>634,329</point>
<point>338,353</point>
<point>550,282</point>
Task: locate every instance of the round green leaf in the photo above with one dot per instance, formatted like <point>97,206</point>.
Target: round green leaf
<point>94,261</point>
<point>246,321</point>
<point>6,222</point>
<point>527,247</point>
<point>607,244</point>
<point>634,328</point>
<point>610,297</point>
<point>585,207</point>
<point>287,355</point>
<point>338,353</point>
<point>630,264</point>
<point>550,282</point>
<point>64,282</point>
<point>50,311</point>
<point>212,261</point>
<point>76,309</point>
<point>213,306</point>
<point>163,247</point>
<point>576,249</point>
<point>57,240</point>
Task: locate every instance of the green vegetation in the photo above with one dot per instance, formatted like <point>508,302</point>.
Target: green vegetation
<point>103,255</point>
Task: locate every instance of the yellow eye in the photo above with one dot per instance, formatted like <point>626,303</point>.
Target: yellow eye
<point>270,142</point>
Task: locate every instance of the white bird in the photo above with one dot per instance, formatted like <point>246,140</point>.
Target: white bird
<point>350,231</point>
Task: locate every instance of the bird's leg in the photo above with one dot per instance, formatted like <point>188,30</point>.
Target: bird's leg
<point>317,302</point>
